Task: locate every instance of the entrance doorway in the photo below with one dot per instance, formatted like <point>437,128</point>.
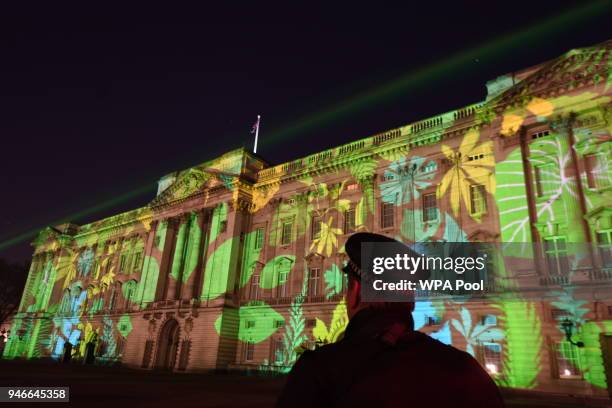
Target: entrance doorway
<point>168,345</point>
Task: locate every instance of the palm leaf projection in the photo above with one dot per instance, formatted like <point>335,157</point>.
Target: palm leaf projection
<point>404,180</point>
<point>324,334</point>
<point>470,164</point>
<point>522,351</point>
<point>294,335</point>
<point>475,334</point>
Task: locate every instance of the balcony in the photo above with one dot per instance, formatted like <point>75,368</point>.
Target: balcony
<point>286,300</point>
<point>600,274</point>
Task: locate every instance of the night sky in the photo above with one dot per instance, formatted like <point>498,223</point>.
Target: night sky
<point>99,103</point>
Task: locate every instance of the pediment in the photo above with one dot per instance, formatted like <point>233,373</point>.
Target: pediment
<point>574,69</point>
<point>187,183</point>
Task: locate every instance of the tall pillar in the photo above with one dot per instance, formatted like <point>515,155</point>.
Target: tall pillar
<point>192,253</point>
<point>166,258</point>
<point>174,277</point>
<point>202,249</point>
<point>145,276</point>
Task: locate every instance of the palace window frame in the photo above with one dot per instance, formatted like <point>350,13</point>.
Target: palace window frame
<point>555,253</point>
<point>314,281</point>
<point>349,220</point>
<point>430,207</point>
<point>387,215</point>
<point>593,164</point>
<point>492,357</point>
<point>545,182</point>
<point>254,291</point>
<point>286,232</point>
<point>259,237</point>
<point>478,199</point>
<point>604,246</point>
<point>315,227</point>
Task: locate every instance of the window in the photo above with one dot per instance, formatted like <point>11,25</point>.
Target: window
<point>123,263</point>
<point>556,256</point>
<point>311,323</point>
<point>429,167</point>
<point>388,176</point>
<point>478,199</point>
<point>545,181</point>
<point>65,306</point>
<point>113,298</point>
<point>283,289</point>
<point>259,238</point>
<point>596,171</point>
<point>223,226</point>
<point>249,351</point>
<point>249,324</point>
<point>492,355</point>
<point>476,157</point>
<point>542,133</point>
<point>349,220</point>
<point>315,227</point>
<point>137,261</point>
<point>609,310</point>
<point>279,323</point>
<point>489,319</point>
<point>129,293</point>
<point>568,362</point>
<point>76,294</point>
<point>313,281</point>
<point>432,320</point>
<point>254,291</point>
<point>277,350</point>
<point>286,231</point>
<point>430,207</point>
<point>387,215</point>
<point>604,242</point>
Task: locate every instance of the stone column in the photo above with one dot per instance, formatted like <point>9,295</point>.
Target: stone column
<point>174,277</point>
<point>31,280</point>
<point>201,250</point>
<point>192,246</point>
<point>166,258</point>
<point>144,271</point>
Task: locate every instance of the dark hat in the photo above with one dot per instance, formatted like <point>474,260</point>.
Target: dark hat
<point>354,251</point>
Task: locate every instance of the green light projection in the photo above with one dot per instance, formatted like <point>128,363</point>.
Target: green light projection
<point>91,287</point>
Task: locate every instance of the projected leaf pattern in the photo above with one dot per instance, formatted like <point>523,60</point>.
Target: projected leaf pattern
<point>231,262</point>
<point>474,334</point>
<point>405,179</point>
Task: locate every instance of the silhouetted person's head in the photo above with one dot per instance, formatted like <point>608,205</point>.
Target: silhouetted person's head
<point>357,274</point>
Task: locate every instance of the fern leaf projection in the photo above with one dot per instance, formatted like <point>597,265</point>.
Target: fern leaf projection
<point>523,347</point>
<point>294,334</point>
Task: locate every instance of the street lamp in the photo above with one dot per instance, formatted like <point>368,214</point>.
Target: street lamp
<point>568,328</point>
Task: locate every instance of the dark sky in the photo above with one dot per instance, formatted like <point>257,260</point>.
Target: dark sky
<point>98,103</point>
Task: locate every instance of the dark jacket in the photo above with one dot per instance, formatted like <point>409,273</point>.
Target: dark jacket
<point>376,365</point>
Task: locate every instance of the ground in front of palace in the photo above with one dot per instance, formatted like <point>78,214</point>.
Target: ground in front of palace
<point>117,386</point>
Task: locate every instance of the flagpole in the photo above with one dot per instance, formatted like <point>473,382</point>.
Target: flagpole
<point>256,134</point>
